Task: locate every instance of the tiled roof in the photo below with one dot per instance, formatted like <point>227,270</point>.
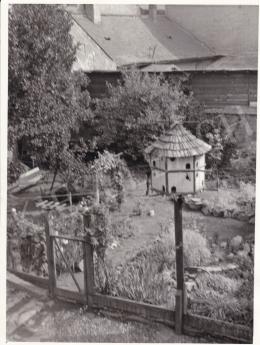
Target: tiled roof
<point>227,29</point>
<point>178,142</point>
<point>134,39</point>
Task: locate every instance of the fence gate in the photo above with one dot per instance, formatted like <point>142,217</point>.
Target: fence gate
<point>66,283</point>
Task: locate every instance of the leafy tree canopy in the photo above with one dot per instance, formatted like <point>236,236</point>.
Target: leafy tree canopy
<point>45,98</point>
<point>137,110</point>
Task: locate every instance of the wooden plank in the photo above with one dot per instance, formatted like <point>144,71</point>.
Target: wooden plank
<point>89,280</point>
<point>145,310</point>
<point>201,325</point>
<point>39,281</point>
<point>69,295</point>
<point>40,204</point>
<point>178,202</point>
<point>70,238</point>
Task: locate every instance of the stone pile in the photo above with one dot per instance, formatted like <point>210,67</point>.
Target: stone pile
<point>244,212</point>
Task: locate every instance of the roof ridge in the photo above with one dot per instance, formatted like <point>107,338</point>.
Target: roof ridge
<point>90,36</point>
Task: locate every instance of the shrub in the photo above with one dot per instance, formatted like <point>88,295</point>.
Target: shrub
<point>123,228</point>
<point>222,298</point>
<point>150,276</point>
<point>141,280</point>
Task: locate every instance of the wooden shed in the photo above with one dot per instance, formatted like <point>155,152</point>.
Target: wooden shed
<point>177,161</point>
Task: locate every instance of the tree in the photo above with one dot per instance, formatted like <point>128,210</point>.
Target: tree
<point>137,110</point>
<point>45,99</point>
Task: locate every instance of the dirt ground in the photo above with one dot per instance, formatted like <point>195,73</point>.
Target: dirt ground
<point>147,228</point>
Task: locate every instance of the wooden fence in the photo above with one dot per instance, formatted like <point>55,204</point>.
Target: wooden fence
<point>179,319</point>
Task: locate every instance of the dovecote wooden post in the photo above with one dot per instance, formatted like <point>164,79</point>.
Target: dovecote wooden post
<point>180,300</point>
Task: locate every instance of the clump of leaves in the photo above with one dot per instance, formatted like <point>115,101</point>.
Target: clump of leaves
<point>137,110</point>
<point>45,101</point>
<point>222,298</point>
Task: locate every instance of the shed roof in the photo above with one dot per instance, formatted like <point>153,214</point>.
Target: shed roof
<point>134,39</point>
<point>178,142</point>
<point>248,62</point>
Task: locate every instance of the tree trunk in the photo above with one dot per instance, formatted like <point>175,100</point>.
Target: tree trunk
<point>54,177</point>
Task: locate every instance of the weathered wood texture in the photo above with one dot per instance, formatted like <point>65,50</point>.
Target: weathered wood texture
<point>38,281</point>
<point>50,256</point>
<point>193,324</point>
<point>200,325</point>
<point>144,310</point>
<point>225,88</point>
<point>221,88</point>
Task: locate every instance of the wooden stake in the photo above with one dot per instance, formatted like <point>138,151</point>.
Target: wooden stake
<point>179,307</point>
<point>51,258</point>
<point>89,282</point>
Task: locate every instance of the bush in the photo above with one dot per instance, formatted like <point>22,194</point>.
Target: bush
<point>150,276</point>
<point>222,298</point>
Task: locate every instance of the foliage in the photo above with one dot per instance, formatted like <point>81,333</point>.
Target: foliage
<point>140,281</point>
<point>26,247</point>
<point>223,298</point>
<point>110,171</point>
<point>138,109</point>
<point>14,171</point>
<point>45,101</point>
<point>70,223</point>
<point>243,165</point>
<point>215,130</point>
<point>123,228</point>
<point>150,276</point>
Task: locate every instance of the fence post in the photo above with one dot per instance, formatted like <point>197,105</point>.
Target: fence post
<point>180,304</point>
<point>51,257</point>
<point>89,282</point>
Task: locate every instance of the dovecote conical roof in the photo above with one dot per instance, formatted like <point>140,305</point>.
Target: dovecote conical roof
<point>178,142</point>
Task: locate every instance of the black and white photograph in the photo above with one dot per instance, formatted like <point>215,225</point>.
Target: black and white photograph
<point>131,141</point>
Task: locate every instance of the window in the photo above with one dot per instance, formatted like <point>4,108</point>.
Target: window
<point>188,166</point>
<point>163,189</point>
<point>154,163</point>
<point>172,159</point>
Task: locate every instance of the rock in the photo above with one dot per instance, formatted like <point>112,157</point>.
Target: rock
<point>230,256</point>
<point>247,248</point>
<point>252,220</point>
<point>223,244</point>
<point>243,217</point>
<point>205,210</point>
<point>242,253</point>
<point>245,275</point>
<point>218,212</point>
<point>236,242</point>
<point>151,213</point>
<point>190,285</point>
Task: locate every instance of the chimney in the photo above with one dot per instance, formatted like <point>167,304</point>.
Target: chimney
<point>91,11</point>
<point>153,12</point>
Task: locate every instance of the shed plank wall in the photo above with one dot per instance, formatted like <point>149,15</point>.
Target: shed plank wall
<point>211,88</point>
